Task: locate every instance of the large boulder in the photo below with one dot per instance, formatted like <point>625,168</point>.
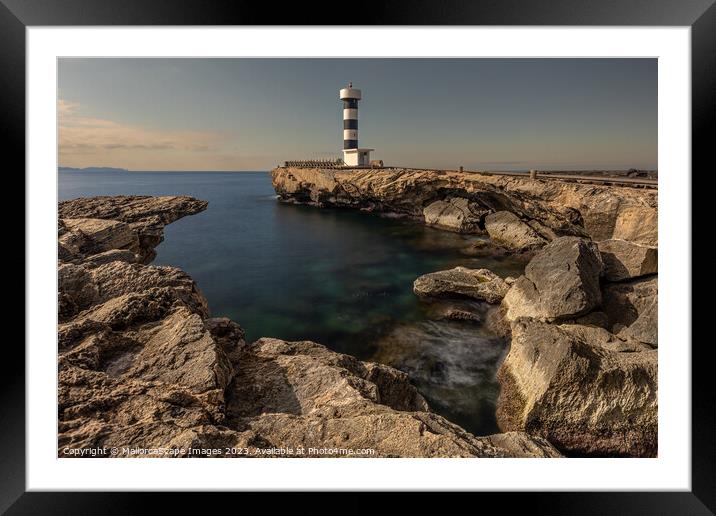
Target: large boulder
<point>579,393</point>
<point>456,214</point>
<point>561,282</point>
<point>626,260</point>
<point>480,284</point>
<point>632,309</point>
<point>508,230</point>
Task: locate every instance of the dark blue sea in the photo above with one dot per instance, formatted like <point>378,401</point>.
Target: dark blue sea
<point>339,277</point>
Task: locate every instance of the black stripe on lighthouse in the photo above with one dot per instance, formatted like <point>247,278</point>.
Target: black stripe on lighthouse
<point>350,122</point>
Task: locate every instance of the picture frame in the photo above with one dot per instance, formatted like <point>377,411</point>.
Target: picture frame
<point>17,15</point>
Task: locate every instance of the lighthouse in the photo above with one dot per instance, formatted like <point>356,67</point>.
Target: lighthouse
<point>353,156</point>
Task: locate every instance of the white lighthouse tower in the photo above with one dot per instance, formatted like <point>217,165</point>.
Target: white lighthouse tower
<point>353,156</point>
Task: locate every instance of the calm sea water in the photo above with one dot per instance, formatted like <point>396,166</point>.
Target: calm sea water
<point>338,277</point>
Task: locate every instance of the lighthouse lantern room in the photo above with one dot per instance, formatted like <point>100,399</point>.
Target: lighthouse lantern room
<point>353,156</point>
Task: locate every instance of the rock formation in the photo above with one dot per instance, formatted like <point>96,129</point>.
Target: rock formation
<point>455,214</point>
<point>626,260</point>
<point>560,282</point>
<point>551,208</point>
<point>567,385</point>
<point>144,369</point>
<point>506,229</point>
<point>588,385</point>
<point>632,309</point>
<point>480,284</point>
<point>135,223</point>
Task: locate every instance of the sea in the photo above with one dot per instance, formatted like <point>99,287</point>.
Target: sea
<point>339,277</point>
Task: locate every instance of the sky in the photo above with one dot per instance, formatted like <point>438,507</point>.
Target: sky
<point>253,114</point>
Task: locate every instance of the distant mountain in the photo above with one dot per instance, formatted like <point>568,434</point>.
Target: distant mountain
<point>91,169</point>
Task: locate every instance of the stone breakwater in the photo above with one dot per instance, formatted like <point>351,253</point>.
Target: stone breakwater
<point>581,371</point>
<point>143,368</point>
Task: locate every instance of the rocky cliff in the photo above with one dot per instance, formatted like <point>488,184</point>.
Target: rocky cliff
<point>463,201</point>
<point>143,369</point>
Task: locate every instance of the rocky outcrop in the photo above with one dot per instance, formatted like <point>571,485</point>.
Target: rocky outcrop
<point>455,214</point>
<point>578,392</point>
<point>134,222</point>
<point>506,229</point>
<point>480,284</point>
<point>626,260</point>
<point>561,282</point>
<point>557,208</point>
<point>145,371</point>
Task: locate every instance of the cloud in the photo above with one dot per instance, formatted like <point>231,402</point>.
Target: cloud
<point>87,140</point>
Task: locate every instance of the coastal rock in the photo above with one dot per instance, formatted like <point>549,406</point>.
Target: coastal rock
<point>144,216</point>
<point>454,313</point>
<point>91,236</point>
<point>82,287</point>
<point>638,224</point>
<point>485,248</point>
<point>480,284</point>
<point>626,260</point>
<point>561,282</point>
<point>131,209</point>
<point>176,349</point>
<point>595,318</point>
<point>632,309</point>
<point>566,208</point>
<point>521,444</point>
<point>113,255</point>
<point>508,230</point>
<point>545,232</point>
<point>76,290</point>
<point>455,214</point>
<point>452,309</point>
<point>581,396</point>
<point>100,411</point>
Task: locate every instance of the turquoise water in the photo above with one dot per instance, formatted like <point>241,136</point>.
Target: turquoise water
<point>339,277</point>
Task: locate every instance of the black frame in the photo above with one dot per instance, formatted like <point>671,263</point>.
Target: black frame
<point>16,15</point>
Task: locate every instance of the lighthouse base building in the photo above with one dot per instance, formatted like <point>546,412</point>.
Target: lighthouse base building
<point>357,157</point>
<point>353,156</point>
